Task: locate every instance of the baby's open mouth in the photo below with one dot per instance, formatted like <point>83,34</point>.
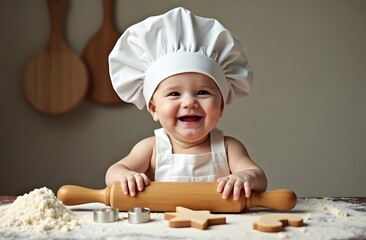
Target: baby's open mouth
<point>189,118</point>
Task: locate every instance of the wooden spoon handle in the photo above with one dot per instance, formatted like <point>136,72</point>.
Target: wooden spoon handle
<point>74,195</point>
<point>108,7</point>
<point>282,199</point>
<point>57,13</point>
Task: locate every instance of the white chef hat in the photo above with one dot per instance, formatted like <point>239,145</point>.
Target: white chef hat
<point>177,42</point>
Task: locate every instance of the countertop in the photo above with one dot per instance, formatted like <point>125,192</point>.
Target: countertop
<point>324,218</point>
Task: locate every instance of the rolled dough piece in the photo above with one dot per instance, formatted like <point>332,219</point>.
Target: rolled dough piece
<point>184,217</point>
<point>276,222</point>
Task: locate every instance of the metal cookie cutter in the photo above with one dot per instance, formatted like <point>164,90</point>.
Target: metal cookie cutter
<point>138,215</point>
<point>105,215</point>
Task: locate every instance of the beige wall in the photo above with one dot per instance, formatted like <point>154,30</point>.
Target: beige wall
<point>304,122</point>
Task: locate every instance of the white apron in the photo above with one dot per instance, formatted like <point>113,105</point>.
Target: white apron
<point>207,167</point>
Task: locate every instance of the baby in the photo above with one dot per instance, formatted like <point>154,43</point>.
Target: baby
<point>185,69</point>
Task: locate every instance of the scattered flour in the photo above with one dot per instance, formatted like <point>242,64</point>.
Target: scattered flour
<point>325,205</point>
<point>337,211</point>
<point>38,211</point>
<point>307,218</point>
<point>283,235</point>
<point>327,218</point>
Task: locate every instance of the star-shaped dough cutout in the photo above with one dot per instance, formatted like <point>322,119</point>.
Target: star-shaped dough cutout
<point>184,217</point>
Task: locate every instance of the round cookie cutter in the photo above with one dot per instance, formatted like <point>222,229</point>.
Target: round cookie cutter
<point>138,215</point>
<point>105,215</point>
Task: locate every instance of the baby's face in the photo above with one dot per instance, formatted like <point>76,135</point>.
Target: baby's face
<point>187,105</point>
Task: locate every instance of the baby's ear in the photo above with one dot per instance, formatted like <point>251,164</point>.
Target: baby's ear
<point>152,110</point>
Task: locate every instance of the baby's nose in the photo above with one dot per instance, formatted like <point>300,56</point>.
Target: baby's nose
<point>189,102</point>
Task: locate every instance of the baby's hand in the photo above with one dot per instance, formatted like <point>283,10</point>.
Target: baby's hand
<point>235,183</point>
<point>133,182</point>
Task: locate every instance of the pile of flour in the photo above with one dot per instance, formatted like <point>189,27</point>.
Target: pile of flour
<point>38,211</point>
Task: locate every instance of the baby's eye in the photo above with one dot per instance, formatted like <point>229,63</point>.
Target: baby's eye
<point>202,92</point>
<point>174,94</point>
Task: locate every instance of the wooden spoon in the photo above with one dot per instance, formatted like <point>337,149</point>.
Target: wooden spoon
<point>96,57</point>
<point>55,79</point>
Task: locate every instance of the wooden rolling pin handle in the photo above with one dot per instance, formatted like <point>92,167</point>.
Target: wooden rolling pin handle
<point>282,199</point>
<point>74,195</point>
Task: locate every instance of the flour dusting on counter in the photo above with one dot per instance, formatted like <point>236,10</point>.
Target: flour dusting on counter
<point>328,218</point>
<point>38,211</point>
<point>327,205</point>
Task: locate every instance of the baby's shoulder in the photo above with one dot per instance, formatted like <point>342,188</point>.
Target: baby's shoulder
<point>145,147</point>
<point>231,142</point>
<point>148,142</point>
<point>230,139</point>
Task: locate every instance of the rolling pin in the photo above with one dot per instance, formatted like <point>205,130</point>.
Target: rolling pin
<point>166,196</point>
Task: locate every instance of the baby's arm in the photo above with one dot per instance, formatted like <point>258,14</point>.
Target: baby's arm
<point>246,174</point>
<point>130,170</point>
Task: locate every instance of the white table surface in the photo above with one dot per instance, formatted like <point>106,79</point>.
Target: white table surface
<point>324,219</point>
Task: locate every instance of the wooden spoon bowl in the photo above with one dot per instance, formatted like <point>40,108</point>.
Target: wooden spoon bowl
<point>55,78</point>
